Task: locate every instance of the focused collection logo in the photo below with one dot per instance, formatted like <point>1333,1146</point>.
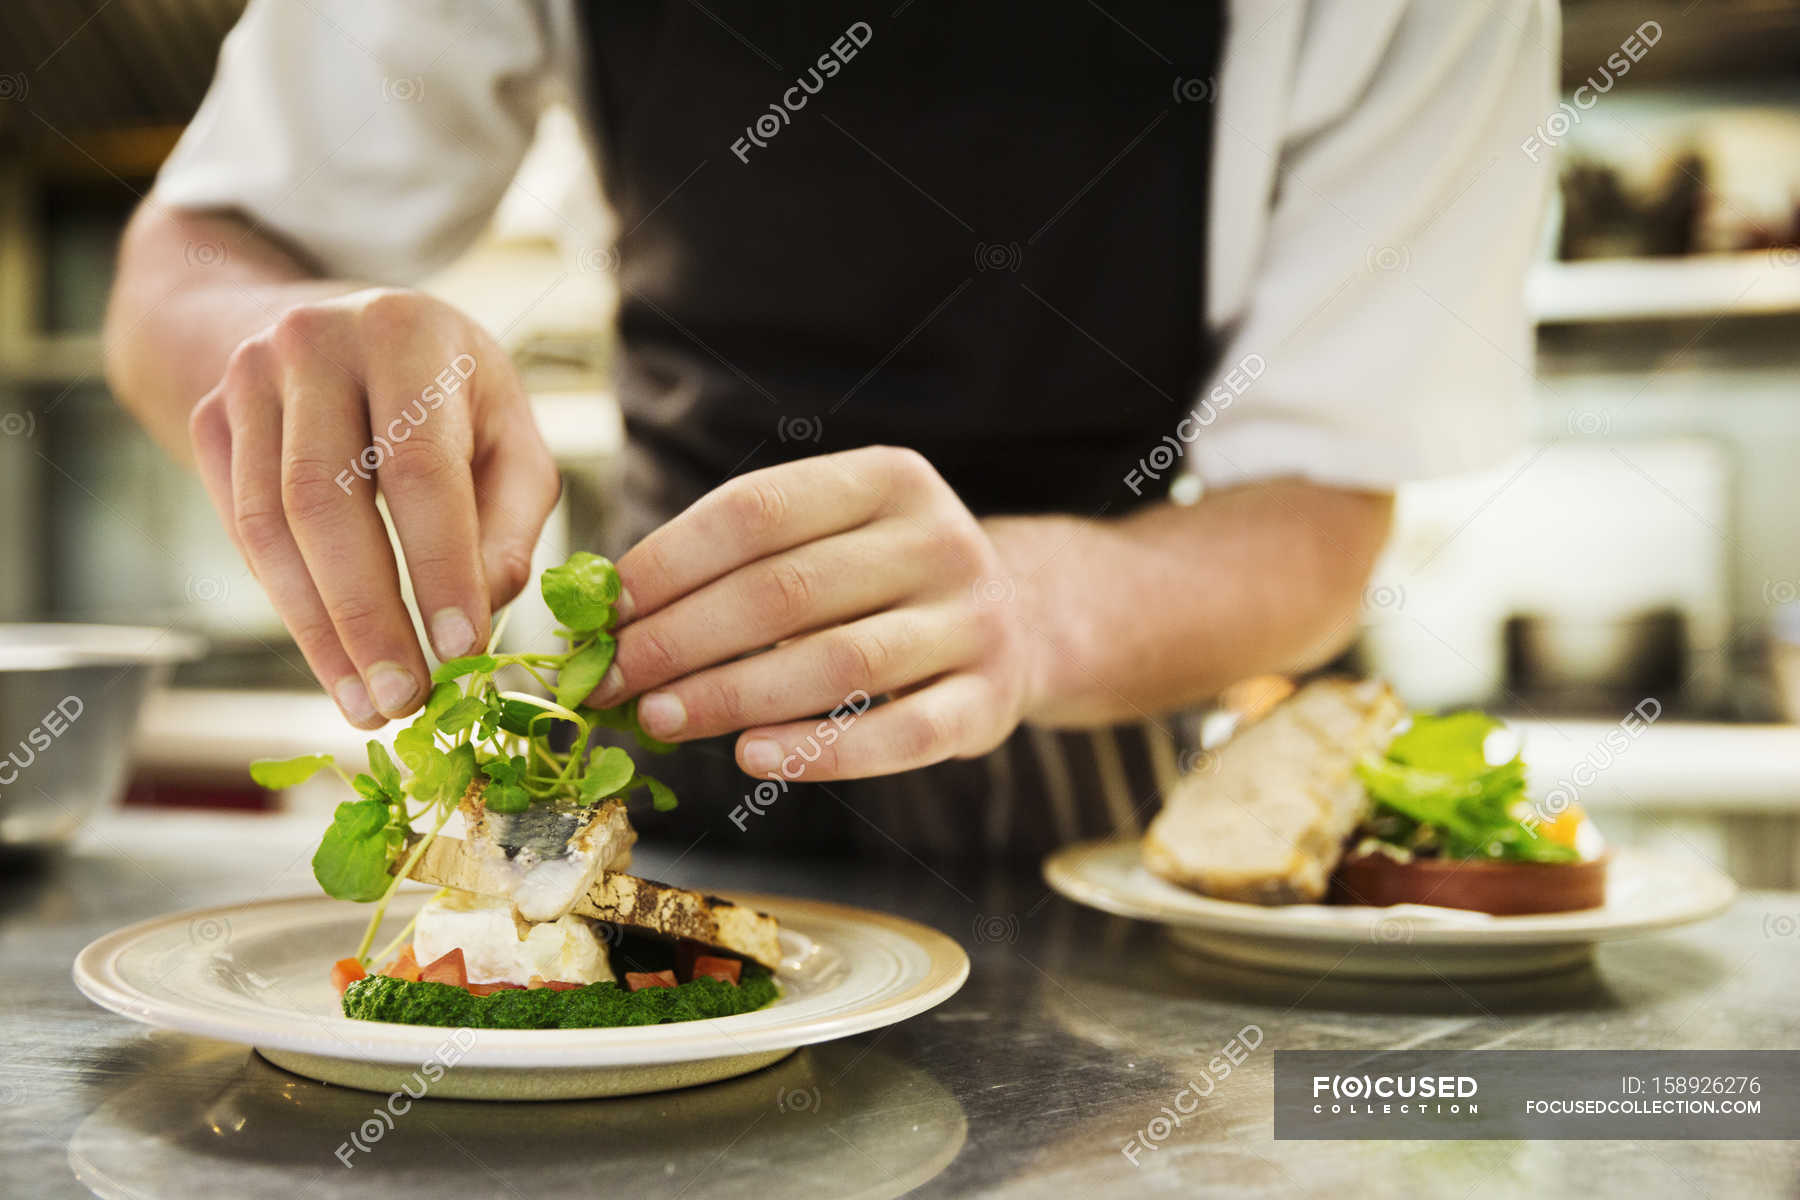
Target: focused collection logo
<point>1395,1095</point>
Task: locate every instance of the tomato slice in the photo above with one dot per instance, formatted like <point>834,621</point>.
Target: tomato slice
<point>404,966</point>
<point>344,972</point>
<point>448,969</point>
<point>488,989</point>
<point>637,981</point>
<point>728,969</point>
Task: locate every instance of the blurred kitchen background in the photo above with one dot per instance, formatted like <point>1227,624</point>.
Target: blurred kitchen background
<point>1648,546</point>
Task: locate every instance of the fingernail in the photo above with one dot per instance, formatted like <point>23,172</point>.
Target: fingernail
<point>612,686</point>
<point>624,606</point>
<point>761,756</point>
<point>452,633</point>
<point>662,714</point>
<point>353,698</point>
<point>392,686</point>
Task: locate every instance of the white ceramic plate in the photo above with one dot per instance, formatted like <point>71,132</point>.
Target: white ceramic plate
<point>1644,893</point>
<point>258,975</point>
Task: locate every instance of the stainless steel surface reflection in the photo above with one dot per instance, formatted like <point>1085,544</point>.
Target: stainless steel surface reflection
<point>223,1121</point>
<point>1074,1031</point>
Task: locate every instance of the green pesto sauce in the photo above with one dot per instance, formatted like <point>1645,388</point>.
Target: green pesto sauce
<point>380,998</point>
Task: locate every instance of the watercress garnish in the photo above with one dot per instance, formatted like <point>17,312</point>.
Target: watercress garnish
<point>352,859</point>
<point>277,774</point>
<point>469,732</point>
<point>456,668</point>
<point>581,593</point>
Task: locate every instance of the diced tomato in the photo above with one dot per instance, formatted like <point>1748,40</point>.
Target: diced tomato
<point>404,966</point>
<point>555,985</point>
<point>344,972</point>
<point>727,969</point>
<point>448,969</point>
<point>488,989</point>
<point>637,981</point>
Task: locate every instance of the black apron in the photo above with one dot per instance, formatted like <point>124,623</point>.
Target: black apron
<point>976,230</point>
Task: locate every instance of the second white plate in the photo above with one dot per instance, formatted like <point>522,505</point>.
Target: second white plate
<point>1644,893</point>
<point>258,974</point>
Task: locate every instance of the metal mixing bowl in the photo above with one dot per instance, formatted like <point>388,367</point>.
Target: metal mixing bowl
<point>69,700</point>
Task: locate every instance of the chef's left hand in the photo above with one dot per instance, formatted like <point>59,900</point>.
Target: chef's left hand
<point>848,573</point>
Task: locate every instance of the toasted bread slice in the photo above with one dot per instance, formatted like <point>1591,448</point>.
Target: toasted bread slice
<point>1266,824</point>
<point>626,900</point>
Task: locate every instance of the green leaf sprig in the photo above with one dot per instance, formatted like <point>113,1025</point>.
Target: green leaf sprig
<point>469,732</point>
<point>1435,786</point>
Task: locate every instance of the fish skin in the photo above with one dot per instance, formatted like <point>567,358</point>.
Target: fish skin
<point>545,858</point>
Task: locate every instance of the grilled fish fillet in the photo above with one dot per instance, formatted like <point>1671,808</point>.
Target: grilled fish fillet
<point>1266,823</point>
<point>545,858</point>
<point>607,895</point>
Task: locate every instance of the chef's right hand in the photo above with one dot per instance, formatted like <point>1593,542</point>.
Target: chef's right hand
<point>389,388</point>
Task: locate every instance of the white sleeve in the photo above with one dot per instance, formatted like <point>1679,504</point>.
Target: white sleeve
<point>1373,221</point>
<point>373,136</point>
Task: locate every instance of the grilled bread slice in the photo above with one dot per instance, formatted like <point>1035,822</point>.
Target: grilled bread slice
<point>1266,823</point>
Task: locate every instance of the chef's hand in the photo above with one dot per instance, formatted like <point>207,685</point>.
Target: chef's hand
<point>390,386</point>
<point>855,575</point>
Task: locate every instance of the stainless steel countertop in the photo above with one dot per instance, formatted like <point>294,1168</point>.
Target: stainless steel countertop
<point>1074,1030</point>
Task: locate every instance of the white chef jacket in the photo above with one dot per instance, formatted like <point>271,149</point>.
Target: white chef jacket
<point>1372,212</point>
